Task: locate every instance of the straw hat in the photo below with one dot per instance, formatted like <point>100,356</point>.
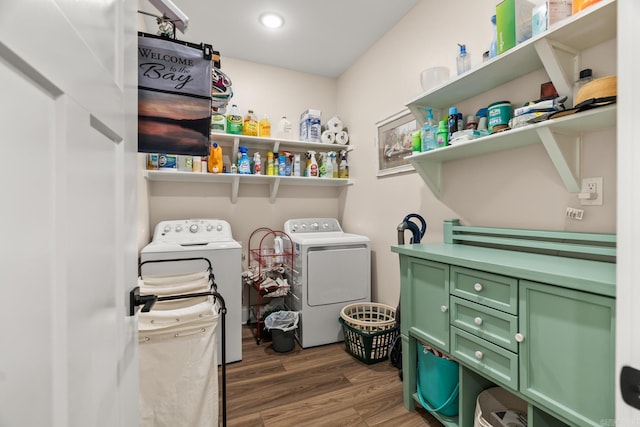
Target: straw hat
<point>596,93</point>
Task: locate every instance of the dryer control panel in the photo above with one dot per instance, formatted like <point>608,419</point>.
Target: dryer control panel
<point>193,230</point>
<point>312,225</point>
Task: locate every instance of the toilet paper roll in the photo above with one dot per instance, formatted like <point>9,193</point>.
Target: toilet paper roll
<point>328,137</point>
<point>342,137</point>
<point>335,124</point>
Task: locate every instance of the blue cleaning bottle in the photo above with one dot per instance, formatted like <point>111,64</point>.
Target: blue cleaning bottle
<point>244,164</point>
<point>429,130</point>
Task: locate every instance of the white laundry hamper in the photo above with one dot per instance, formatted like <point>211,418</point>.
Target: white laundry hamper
<point>178,359</point>
<point>499,401</point>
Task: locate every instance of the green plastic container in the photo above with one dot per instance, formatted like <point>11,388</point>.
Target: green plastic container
<point>438,383</point>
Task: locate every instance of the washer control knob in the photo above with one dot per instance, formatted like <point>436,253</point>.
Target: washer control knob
<point>178,228</point>
<point>325,225</point>
<point>209,227</point>
<point>193,228</point>
<point>294,227</point>
<point>304,226</point>
<point>219,227</point>
<point>315,226</point>
<point>167,228</point>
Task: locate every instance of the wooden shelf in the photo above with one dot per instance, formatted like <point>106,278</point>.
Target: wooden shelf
<point>274,182</point>
<point>561,138</point>
<point>554,50</point>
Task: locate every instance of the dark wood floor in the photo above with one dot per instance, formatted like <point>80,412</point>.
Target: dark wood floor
<point>319,386</point>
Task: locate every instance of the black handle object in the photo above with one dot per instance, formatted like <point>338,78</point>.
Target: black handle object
<point>423,225</point>
<point>135,300</point>
<point>408,225</point>
<point>630,386</point>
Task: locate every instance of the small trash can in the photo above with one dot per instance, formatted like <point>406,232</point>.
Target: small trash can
<point>282,325</point>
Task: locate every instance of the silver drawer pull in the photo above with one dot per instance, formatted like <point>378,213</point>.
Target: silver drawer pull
<point>444,308</point>
<point>478,287</point>
<point>519,337</point>
<point>477,321</point>
<point>479,354</point>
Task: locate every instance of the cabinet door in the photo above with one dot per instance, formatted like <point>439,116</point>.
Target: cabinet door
<point>567,356</point>
<point>424,299</point>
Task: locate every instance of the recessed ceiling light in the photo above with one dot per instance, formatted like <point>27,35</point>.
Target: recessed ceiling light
<point>271,20</point>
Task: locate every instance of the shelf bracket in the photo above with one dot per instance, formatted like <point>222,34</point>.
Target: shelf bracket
<point>564,151</point>
<point>273,190</point>
<point>235,186</point>
<point>561,63</point>
<point>431,173</point>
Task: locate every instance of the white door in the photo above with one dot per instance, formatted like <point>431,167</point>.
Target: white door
<point>68,349</point>
<point>628,226</point>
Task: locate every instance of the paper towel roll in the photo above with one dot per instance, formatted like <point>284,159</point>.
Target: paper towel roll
<point>342,137</point>
<point>335,124</point>
<point>328,137</point>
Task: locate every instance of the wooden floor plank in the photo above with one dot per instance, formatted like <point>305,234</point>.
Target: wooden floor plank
<point>319,386</point>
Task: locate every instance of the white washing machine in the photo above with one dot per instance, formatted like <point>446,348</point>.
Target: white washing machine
<point>203,238</point>
<point>332,269</point>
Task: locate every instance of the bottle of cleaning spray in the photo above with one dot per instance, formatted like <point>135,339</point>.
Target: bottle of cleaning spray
<point>322,170</point>
<point>328,166</point>
<point>343,171</point>
<point>429,130</point>
<point>244,165</point>
<point>257,164</point>
<point>313,165</point>
<point>296,165</point>
<point>334,163</point>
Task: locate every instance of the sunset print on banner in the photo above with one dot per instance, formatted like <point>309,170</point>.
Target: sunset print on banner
<point>174,97</point>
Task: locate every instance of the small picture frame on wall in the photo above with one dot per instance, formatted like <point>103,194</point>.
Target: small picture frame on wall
<point>393,143</point>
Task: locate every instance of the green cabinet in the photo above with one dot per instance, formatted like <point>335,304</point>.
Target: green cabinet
<point>424,301</point>
<point>567,352</point>
<point>519,321</point>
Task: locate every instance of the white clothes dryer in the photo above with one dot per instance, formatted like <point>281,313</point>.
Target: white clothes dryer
<point>332,269</point>
<point>203,238</point>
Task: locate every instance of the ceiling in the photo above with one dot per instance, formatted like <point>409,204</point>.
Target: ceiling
<point>319,37</point>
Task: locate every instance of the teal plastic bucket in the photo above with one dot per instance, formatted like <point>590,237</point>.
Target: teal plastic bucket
<point>438,383</point>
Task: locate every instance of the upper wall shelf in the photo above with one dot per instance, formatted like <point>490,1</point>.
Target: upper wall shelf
<point>554,50</point>
<point>558,51</point>
<point>560,137</point>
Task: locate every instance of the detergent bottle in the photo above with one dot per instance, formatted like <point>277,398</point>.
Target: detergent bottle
<point>250,124</point>
<point>313,165</point>
<point>328,165</point>
<point>334,163</point>
<point>296,165</point>
<point>343,171</point>
<point>214,161</point>
<point>234,121</point>
<point>244,165</point>
<point>270,163</point>
<point>257,164</point>
<point>264,127</point>
<point>322,169</point>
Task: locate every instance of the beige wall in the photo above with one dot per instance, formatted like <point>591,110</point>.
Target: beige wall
<point>516,188</point>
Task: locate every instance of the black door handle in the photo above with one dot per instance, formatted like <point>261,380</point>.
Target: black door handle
<point>630,386</point>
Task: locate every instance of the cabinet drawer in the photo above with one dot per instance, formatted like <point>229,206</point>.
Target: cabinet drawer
<point>488,359</point>
<point>492,325</point>
<point>499,292</point>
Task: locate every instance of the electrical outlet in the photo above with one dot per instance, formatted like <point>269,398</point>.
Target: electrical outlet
<point>575,213</point>
<point>595,187</point>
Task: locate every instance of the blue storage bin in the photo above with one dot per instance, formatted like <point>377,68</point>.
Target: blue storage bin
<point>438,383</point>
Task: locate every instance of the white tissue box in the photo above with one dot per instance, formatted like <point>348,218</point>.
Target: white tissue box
<point>310,125</point>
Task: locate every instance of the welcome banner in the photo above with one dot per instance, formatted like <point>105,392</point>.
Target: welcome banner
<point>174,97</point>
